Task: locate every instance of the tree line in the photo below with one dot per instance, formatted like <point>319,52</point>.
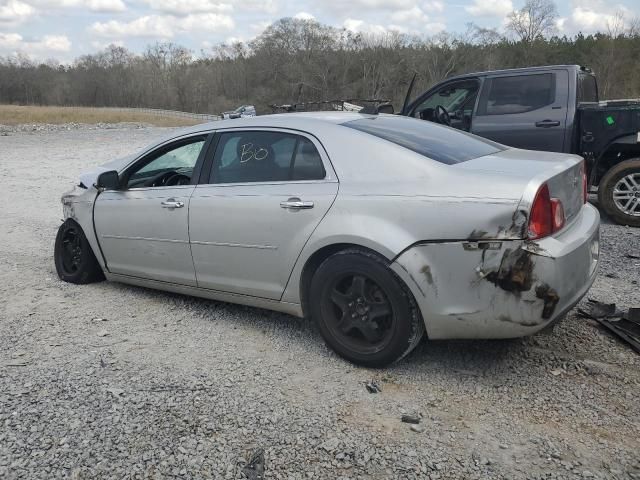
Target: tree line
<point>297,60</point>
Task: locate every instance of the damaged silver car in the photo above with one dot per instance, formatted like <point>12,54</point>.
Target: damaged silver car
<point>380,228</point>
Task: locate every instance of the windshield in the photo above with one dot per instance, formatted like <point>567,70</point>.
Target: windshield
<point>442,144</point>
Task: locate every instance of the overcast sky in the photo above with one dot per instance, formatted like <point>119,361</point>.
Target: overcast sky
<point>64,29</point>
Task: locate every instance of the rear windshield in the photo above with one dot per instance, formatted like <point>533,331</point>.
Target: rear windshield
<point>444,145</point>
<point>587,88</point>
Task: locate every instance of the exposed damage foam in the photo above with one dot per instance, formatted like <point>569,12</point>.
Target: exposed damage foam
<point>550,298</point>
<point>515,273</point>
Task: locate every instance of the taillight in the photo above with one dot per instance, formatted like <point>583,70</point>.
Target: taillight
<point>547,214</point>
<point>557,214</point>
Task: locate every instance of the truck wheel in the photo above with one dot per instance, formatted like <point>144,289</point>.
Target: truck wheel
<point>74,259</point>
<point>619,193</point>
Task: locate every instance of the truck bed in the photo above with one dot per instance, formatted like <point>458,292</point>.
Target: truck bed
<point>602,122</point>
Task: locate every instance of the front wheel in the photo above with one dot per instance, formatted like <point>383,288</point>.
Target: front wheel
<point>363,310</point>
<point>73,256</point>
<point>619,193</point>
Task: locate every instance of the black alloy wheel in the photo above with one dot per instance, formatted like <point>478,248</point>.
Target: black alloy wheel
<point>359,314</point>
<point>73,256</point>
<point>363,310</point>
<point>71,250</point>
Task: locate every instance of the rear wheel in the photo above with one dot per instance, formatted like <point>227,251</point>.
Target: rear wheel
<point>363,310</point>
<point>74,258</point>
<point>619,192</point>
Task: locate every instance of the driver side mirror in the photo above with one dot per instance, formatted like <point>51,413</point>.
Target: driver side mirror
<point>108,180</point>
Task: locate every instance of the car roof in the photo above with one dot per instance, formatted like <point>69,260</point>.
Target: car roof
<point>517,70</point>
<point>296,121</point>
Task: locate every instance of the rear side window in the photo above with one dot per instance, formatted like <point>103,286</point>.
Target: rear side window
<point>518,94</point>
<point>587,88</point>
<point>307,164</point>
<point>245,157</point>
<point>442,144</point>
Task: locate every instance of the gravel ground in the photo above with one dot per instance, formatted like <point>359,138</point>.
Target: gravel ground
<point>113,381</point>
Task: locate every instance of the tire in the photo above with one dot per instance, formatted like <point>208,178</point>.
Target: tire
<point>363,310</point>
<point>74,258</point>
<point>617,188</point>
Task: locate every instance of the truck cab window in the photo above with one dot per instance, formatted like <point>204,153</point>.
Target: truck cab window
<point>458,99</point>
<point>518,94</point>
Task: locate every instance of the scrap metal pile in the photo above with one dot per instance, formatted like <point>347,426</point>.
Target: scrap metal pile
<point>346,105</point>
<point>625,325</point>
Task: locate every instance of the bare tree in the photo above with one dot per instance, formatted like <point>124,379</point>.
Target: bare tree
<point>535,20</point>
<point>302,60</point>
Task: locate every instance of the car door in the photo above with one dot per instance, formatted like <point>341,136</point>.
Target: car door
<point>524,110</point>
<point>143,227</point>
<point>264,193</point>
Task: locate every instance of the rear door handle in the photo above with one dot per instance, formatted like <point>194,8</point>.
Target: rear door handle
<point>171,203</point>
<point>548,123</point>
<point>296,204</point>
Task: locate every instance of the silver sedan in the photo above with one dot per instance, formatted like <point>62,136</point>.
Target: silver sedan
<point>380,228</point>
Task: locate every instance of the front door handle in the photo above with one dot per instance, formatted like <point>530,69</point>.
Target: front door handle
<point>548,123</point>
<point>296,204</point>
<point>171,203</point>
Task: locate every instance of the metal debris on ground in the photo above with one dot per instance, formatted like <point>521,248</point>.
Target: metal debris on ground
<point>373,387</point>
<point>624,325</point>
<point>414,419</point>
<point>254,469</point>
<point>633,315</point>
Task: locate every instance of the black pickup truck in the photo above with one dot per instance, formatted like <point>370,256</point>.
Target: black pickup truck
<point>553,108</point>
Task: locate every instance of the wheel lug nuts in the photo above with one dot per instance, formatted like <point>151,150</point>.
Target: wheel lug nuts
<point>350,304</point>
<point>364,317</point>
<point>354,315</point>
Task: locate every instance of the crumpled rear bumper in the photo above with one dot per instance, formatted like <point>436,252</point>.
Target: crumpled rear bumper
<point>501,289</point>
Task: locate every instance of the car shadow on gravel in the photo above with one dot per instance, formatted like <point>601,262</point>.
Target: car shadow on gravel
<point>237,315</point>
<point>471,357</point>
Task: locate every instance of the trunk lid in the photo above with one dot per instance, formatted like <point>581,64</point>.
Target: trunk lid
<point>561,172</point>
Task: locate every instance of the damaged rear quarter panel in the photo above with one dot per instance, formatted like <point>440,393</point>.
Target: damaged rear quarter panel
<point>474,293</point>
<point>512,289</point>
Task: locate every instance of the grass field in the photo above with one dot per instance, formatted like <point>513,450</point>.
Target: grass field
<point>16,115</point>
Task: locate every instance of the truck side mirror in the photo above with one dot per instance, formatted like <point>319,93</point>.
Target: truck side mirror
<point>385,108</point>
<point>108,180</point>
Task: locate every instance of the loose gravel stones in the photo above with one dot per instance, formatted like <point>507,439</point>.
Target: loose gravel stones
<point>188,388</point>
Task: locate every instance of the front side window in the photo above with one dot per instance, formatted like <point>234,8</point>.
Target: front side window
<point>169,166</point>
<point>455,98</point>
<point>518,94</point>
<point>245,157</point>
